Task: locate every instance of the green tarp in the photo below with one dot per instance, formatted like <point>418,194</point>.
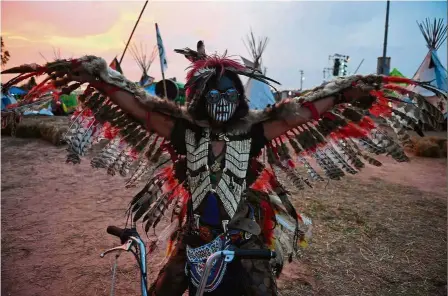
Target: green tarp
<point>69,103</point>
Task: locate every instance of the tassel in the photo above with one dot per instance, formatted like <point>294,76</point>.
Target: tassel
<point>80,143</point>
<point>349,153</point>
<point>107,155</point>
<point>338,159</point>
<point>368,158</point>
<point>310,170</point>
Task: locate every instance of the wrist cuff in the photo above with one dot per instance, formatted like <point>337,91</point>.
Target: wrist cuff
<point>314,113</point>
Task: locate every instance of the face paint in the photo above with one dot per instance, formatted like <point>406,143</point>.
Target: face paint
<point>222,101</point>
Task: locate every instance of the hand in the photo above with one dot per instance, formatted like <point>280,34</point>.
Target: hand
<point>355,93</point>
<point>78,74</point>
<point>81,75</point>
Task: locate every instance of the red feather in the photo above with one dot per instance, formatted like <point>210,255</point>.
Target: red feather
<point>110,132</point>
<point>268,223</point>
<point>397,88</point>
<point>378,110</point>
<point>214,61</point>
<point>367,123</point>
<point>134,154</point>
<point>262,182</point>
<point>291,163</point>
<point>185,198</point>
<point>39,89</point>
<point>352,131</point>
<point>395,79</point>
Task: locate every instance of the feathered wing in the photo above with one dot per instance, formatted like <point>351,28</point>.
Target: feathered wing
<point>130,150</point>
<point>340,143</point>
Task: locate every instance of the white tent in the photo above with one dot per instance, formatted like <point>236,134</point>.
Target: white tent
<point>431,69</point>
<point>258,93</point>
<point>144,63</point>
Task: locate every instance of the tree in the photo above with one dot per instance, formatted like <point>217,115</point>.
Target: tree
<point>4,53</point>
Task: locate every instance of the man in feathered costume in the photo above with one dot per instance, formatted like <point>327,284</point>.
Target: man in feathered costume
<point>219,191</point>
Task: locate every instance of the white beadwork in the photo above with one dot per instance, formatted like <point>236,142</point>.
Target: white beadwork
<point>197,154</point>
<point>236,163</point>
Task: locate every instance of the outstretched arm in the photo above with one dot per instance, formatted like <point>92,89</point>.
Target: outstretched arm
<point>275,128</point>
<point>300,113</point>
<point>155,121</point>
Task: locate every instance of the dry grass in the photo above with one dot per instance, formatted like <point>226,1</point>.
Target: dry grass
<point>434,147</point>
<point>372,238</point>
<point>49,128</point>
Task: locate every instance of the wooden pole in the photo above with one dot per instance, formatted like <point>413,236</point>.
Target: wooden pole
<point>164,82</point>
<point>133,30</point>
<point>356,71</point>
<point>386,30</point>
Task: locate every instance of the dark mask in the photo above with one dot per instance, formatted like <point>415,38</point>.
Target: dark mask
<point>222,100</point>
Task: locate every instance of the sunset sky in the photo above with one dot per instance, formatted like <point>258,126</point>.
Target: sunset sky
<point>302,34</point>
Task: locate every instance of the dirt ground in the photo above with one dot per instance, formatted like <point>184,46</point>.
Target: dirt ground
<point>380,233</point>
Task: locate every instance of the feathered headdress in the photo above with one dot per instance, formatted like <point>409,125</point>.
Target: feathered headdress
<point>202,70</point>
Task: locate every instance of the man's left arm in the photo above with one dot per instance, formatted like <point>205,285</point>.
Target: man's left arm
<point>276,128</point>
<point>295,113</point>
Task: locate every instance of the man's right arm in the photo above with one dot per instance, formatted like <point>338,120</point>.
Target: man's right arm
<point>160,123</point>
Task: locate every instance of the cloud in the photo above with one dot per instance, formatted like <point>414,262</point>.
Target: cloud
<point>302,34</point>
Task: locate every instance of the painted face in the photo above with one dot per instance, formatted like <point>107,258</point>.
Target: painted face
<point>222,100</point>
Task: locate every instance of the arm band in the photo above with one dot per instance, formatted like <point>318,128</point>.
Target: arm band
<point>314,113</point>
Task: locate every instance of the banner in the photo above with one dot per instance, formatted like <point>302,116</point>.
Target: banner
<point>116,65</point>
<point>162,56</point>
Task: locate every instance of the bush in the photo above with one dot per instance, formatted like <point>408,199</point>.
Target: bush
<point>434,147</point>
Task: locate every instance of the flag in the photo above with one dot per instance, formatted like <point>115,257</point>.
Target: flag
<point>146,80</point>
<point>116,65</point>
<point>162,56</point>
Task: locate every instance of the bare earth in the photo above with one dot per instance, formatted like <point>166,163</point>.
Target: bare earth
<point>380,233</point>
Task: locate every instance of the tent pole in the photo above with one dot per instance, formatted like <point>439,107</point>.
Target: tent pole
<point>133,30</point>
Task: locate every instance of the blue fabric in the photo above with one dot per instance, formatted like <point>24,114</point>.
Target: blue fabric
<point>211,210</point>
<point>151,89</point>
<point>441,74</point>
<point>14,90</point>
<point>7,100</point>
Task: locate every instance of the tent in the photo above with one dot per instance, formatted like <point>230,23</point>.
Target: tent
<point>431,69</point>
<point>258,93</point>
<point>7,100</point>
<point>144,63</point>
<point>151,89</point>
<point>69,103</point>
<point>16,91</point>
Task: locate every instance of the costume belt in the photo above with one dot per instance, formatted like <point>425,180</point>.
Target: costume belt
<point>238,230</point>
<point>207,233</point>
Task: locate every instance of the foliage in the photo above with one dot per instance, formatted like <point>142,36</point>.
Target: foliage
<point>4,53</point>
